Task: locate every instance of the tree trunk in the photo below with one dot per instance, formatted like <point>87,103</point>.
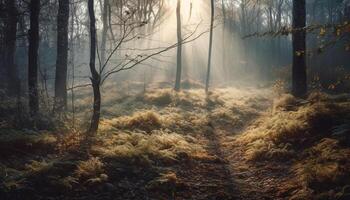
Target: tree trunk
<point>72,61</point>
<point>33,58</point>
<point>104,13</point>
<point>299,49</point>
<point>62,56</point>
<point>95,79</point>
<point>224,67</point>
<point>12,82</point>
<point>179,47</point>
<point>210,46</point>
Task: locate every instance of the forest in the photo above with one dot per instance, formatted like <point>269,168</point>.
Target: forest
<point>174,99</point>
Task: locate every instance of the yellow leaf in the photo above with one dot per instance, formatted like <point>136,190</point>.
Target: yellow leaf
<point>322,31</point>
<point>338,32</point>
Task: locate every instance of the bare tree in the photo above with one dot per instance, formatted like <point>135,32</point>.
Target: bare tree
<point>11,20</point>
<point>127,25</point>
<point>62,56</point>
<point>33,58</point>
<point>299,48</point>
<point>179,47</point>
<point>210,46</point>
<point>104,13</point>
<point>96,78</point>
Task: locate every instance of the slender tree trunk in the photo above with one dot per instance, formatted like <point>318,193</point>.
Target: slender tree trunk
<point>104,29</point>
<point>95,79</point>
<point>210,46</point>
<point>62,56</point>
<point>12,82</point>
<point>299,49</point>
<point>224,67</point>
<point>72,57</point>
<point>33,58</point>
<point>179,47</point>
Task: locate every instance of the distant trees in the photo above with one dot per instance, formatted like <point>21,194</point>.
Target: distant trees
<point>33,58</point>
<point>62,56</point>
<point>51,67</point>
<point>210,46</point>
<point>9,49</point>
<point>179,47</point>
<point>299,84</point>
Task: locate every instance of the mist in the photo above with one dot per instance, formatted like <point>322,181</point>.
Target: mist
<point>174,99</point>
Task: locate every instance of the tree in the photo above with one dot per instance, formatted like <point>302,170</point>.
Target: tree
<point>96,78</point>
<point>104,13</point>
<point>127,26</point>
<point>33,58</point>
<point>299,49</point>
<point>11,20</point>
<point>62,56</point>
<point>179,47</point>
<point>210,46</point>
<point>223,33</point>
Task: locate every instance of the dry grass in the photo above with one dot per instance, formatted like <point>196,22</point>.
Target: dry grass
<point>301,131</point>
<point>164,97</point>
<point>25,142</point>
<point>299,125</point>
<point>327,164</point>
<point>138,147</point>
<point>191,84</point>
<point>143,120</point>
<point>325,171</point>
<point>285,102</point>
<point>89,169</point>
<point>35,167</point>
<point>166,182</point>
<point>46,172</point>
<point>160,97</point>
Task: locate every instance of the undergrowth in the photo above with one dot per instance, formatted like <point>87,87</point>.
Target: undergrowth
<point>302,133</point>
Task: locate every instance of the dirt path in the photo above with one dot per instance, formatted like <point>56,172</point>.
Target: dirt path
<point>226,175</point>
<point>248,181</point>
<point>208,178</point>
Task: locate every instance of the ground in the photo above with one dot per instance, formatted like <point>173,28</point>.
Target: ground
<point>234,143</point>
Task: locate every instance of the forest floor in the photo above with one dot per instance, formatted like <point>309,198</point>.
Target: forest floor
<point>235,143</point>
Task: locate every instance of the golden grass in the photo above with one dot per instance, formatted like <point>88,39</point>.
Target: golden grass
<point>160,97</point>
<point>134,147</point>
<point>37,166</point>
<point>289,127</point>
<point>25,142</point>
<point>166,182</point>
<point>301,131</point>
<point>164,97</point>
<point>285,102</point>
<point>142,120</point>
<point>91,168</point>
<point>325,172</point>
<point>328,164</point>
<point>70,142</point>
